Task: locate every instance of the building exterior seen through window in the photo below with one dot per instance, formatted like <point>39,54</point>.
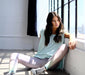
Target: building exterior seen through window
<point>81,20</point>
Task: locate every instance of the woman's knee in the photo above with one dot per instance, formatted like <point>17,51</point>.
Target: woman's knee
<point>64,47</point>
<point>14,56</point>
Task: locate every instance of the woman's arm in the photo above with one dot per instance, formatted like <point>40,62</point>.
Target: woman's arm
<point>72,41</point>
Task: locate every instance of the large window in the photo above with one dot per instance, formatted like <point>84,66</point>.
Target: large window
<point>72,15</point>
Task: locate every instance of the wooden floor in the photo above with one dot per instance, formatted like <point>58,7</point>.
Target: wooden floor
<point>4,63</point>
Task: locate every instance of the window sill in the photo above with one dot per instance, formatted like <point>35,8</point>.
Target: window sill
<point>80,44</point>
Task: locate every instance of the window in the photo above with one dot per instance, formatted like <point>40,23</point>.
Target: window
<point>72,15</point>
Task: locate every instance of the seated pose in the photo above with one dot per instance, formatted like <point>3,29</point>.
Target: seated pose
<point>51,48</point>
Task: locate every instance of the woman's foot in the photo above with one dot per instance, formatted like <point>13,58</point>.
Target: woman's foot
<point>38,71</point>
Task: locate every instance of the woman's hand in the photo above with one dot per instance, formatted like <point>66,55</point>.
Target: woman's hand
<point>72,43</point>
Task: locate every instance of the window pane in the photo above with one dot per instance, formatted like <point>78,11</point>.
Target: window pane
<point>65,1</point>
<point>59,3</point>
<point>49,5</point>
<point>81,20</point>
<point>55,5</point>
<point>72,17</point>
<point>52,5</point>
<point>66,17</point>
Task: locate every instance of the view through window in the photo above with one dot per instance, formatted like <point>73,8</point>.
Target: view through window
<point>81,20</point>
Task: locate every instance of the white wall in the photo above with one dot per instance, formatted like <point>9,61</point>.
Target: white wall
<point>13,17</point>
<point>13,25</point>
<point>75,62</point>
<point>75,59</point>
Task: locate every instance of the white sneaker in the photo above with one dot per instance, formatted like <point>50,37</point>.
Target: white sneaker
<point>11,73</point>
<point>38,71</point>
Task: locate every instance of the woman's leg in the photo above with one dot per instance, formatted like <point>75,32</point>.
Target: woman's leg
<point>28,61</point>
<point>13,62</point>
<point>60,53</point>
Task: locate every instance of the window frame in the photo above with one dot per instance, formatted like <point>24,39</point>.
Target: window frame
<point>62,12</point>
<point>80,42</point>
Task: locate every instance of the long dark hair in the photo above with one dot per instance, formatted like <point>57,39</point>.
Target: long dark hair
<point>48,30</point>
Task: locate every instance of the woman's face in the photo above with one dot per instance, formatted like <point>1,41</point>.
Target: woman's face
<point>55,22</point>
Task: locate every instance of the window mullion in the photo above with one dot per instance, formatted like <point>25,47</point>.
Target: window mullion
<point>62,10</point>
<point>75,18</point>
<point>68,15</point>
<point>57,6</point>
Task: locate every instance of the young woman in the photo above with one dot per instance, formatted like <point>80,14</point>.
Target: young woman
<point>51,47</point>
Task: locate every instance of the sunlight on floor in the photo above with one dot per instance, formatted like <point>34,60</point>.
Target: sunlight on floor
<point>4,61</point>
